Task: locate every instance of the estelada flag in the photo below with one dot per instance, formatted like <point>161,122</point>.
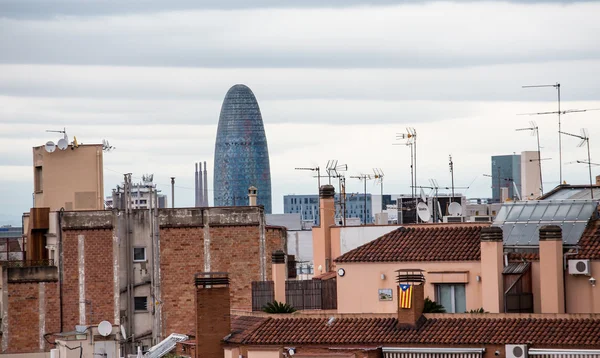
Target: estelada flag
<point>405,295</point>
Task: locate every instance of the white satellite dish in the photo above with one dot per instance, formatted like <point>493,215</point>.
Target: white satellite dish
<point>423,196</point>
<point>62,144</point>
<point>123,333</point>
<point>455,209</point>
<point>423,211</point>
<point>105,328</point>
<point>50,147</point>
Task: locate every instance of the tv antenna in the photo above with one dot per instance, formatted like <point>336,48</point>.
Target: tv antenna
<point>558,112</point>
<point>535,132</point>
<point>378,176</point>
<point>511,180</point>
<point>106,146</point>
<point>364,178</point>
<point>411,140</point>
<point>318,170</point>
<point>585,140</point>
<point>451,165</point>
<point>333,167</point>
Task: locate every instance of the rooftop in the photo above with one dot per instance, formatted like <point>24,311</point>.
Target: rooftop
<point>437,242</point>
<point>438,329</point>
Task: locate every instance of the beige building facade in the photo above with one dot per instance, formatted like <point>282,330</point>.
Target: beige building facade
<point>72,179</point>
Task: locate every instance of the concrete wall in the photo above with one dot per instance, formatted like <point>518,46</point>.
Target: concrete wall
<point>357,291</point>
<point>71,179</point>
<point>352,237</point>
<point>581,296</point>
<point>530,175</point>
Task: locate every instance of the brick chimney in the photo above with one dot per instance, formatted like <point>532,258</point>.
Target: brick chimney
<point>322,234</point>
<point>279,274</point>
<point>492,264</point>
<point>551,269</point>
<point>213,321</point>
<point>410,312</point>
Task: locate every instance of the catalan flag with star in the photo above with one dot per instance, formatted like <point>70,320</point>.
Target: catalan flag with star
<point>405,295</point>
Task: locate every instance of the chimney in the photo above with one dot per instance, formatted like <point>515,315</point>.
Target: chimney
<point>278,274</point>
<point>322,233</point>
<point>252,195</point>
<point>196,197</point>
<point>492,265</point>
<point>551,269</point>
<point>598,180</point>
<point>213,320</point>
<point>200,190</point>
<point>205,195</point>
<point>411,298</point>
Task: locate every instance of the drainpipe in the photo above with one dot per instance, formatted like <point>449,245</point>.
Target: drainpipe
<point>60,266</point>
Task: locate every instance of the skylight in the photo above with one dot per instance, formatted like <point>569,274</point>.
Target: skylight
<point>520,221</point>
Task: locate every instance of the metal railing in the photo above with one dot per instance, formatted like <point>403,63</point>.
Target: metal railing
<point>28,263</point>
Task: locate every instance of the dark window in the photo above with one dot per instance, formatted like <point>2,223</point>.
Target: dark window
<point>140,303</point>
<point>139,254</point>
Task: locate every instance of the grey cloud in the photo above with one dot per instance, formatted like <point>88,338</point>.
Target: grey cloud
<point>53,8</point>
<point>398,37</point>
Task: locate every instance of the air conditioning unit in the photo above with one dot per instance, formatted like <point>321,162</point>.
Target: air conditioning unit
<point>579,267</point>
<point>516,350</point>
<point>480,219</point>
<point>454,219</point>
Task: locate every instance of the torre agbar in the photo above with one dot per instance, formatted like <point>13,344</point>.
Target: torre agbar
<point>241,152</point>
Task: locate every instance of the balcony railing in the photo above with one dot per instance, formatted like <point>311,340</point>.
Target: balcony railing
<point>28,263</point>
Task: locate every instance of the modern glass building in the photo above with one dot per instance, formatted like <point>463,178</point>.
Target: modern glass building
<point>308,207</point>
<point>506,170</point>
<point>241,152</point>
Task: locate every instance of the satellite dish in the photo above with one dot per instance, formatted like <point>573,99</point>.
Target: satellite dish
<point>62,144</point>
<point>50,147</point>
<point>105,328</point>
<point>423,196</point>
<point>455,209</point>
<point>423,211</point>
<point>123,333</point>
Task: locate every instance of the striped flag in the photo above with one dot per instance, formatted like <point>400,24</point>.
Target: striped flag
<point>405,295</point>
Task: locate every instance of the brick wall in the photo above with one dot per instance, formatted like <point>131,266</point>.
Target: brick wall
<point>181,256</point>
<point>24,319</point>
<point>99,276</point>
<point>233,249</point>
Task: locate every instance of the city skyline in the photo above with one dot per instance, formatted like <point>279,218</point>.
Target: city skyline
<point>330,84</point>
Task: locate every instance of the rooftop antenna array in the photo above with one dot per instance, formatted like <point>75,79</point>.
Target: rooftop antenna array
<point>106,146</point>
<point>333,169</point>
<point>62,143</point>
<point>364,178</point>
<point>558,112</point>
<point>411,140</point>
<point>585,140</point>
<point>535,132</point>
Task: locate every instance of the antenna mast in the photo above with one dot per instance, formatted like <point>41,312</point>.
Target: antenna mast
<point>364,177</point>
<point>378,176</point>
<point>451,164</point>
<point>585,139</point>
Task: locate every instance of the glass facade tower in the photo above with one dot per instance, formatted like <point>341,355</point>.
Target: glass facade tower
<point>241,152</point>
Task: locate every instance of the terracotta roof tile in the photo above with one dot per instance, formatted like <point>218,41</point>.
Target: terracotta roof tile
<point>589,244</point>
<point>421,243</point>
<point>242,325</point>
<point>564,332</point>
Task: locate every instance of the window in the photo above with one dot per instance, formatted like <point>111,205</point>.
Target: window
<point>38,180</point>
<point>452,297</point>
<point>140,303</point>
<point>143,201</point>
<point>139,254</point>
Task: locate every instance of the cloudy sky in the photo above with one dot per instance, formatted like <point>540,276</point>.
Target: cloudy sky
<point>334,80</point>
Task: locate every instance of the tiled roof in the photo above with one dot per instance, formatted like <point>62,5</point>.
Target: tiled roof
<point>422,243</point>
<point>589,244</point>
<point>241,326</point>
<point>564,332</point>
